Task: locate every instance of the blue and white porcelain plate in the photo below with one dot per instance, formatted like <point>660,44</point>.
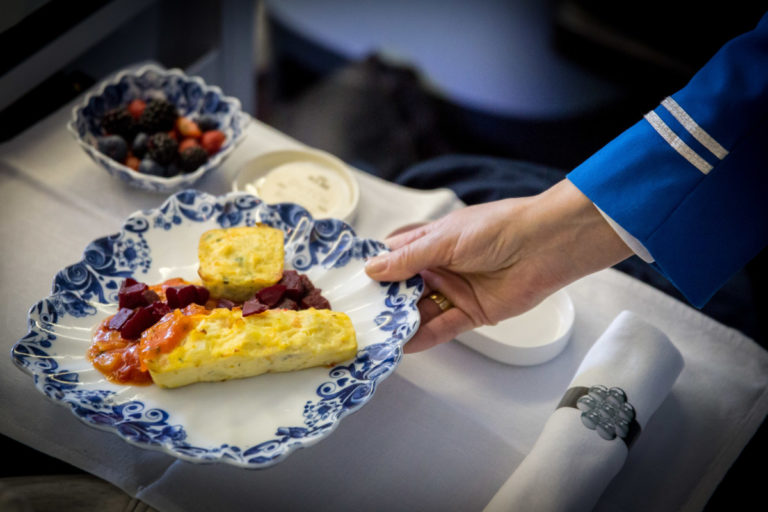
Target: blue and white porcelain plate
<point>250,423</point>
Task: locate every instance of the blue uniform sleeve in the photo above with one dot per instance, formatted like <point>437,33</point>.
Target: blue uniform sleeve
<point>690,180</point>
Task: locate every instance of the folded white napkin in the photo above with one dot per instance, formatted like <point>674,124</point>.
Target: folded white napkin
<point>622,380</point>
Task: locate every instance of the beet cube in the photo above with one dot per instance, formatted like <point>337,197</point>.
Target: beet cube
<point>142,319</point>
<point>271,295</point>
<point>182,296</point>
<point>187,295</point>
<point>306,283</point>
<point>117,321</point>
<point>172,297</point>
<point>225,303</point>
<point>159,309</point>
<point>132,295</point>
<point>202,295</point>
<point>293,285</point>
<point>151,296</point>
<point>315,300</point>
<point>253,306</point>
<point>287,303</point>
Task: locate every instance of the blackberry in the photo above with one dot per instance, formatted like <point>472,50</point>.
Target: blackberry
<point>158,116</point>
<point>113,146</point>
<point>119,122</point>
<point>192,158</point>
<point>162,148</point>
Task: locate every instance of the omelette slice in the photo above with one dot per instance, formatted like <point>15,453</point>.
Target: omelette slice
<point>237,262</point>
<point>198,345</point>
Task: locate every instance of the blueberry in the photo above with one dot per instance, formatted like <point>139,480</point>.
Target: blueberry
<point>207,122</point>
<point>149,166</point>
<point>139,147</point>
<point>113,146</point>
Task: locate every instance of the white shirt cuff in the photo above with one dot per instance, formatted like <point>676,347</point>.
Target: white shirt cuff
<point>632,242</point>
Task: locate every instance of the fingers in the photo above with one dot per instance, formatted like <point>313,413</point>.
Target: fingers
<point>441,328</point>
<point>411,253</point>
<point>394,241</point>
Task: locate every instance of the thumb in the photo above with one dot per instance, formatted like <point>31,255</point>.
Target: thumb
<point>404,261</point>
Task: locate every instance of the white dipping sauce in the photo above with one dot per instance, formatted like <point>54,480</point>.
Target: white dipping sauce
<point>318,189</point>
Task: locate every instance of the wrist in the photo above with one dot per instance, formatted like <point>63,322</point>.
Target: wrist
<point>568,238</point>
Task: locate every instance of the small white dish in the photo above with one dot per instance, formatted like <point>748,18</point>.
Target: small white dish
<point>314,179</point>
<point>532,338</point>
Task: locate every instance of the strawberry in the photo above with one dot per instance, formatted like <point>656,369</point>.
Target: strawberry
<point>212,141</point>
<point>187,127</point>
<point>136,107</point>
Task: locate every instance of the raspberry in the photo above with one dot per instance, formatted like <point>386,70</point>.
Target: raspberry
<point>119,122</point>
<point>158,116</point>
<point>136,107</point>
<point>162,148</point>
<point>192,158</point>
<point>113,146</point>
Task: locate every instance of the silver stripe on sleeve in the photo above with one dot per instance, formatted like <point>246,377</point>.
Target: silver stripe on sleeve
<point>693,128</point>
<point>677,143</point>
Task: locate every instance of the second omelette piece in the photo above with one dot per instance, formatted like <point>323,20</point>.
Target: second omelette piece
<point>237,262</point>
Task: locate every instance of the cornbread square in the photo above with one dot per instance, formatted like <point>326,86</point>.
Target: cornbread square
<point>225,345</point>
<point>237,262</point>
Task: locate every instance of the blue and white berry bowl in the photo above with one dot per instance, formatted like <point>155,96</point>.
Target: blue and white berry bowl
<point>191,96</point>
<point>250,423</point>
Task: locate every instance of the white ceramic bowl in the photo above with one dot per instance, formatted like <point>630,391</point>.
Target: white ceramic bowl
<point>532,338</point>
<point>314,179</point>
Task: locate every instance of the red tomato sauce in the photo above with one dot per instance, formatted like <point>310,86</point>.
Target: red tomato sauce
<point>119,359</point>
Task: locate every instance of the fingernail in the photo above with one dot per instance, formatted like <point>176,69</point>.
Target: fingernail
<point>376,264</point>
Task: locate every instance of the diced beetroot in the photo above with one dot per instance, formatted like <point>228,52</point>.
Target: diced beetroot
<point>187,295</point>
<point>202,295</point>
<point>306,283</point>
<point>117,321</point>
<point>132,295</point>
<point>271,295</point>
<point>253,306</point>
<point>151,296</point>
<point>159,309</point>
<point>225,303</point>
<point>142,319</point>
<point>293,285</point>
<point>287,303</point>
<point>172,297</point>
<point>315,300</point>
<point>182,296</point>
<point>134,326</point>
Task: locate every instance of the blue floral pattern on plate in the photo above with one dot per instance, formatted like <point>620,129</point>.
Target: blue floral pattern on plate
<point>191,96</point>
<point>157,244</point>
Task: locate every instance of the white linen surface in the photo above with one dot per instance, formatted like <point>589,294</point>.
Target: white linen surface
<point>570,465</point>
<point>443,433</point>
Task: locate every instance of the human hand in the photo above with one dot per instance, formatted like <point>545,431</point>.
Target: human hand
<point>499,259</point>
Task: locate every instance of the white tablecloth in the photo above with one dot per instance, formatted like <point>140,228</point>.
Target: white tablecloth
<point>443,433</point>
